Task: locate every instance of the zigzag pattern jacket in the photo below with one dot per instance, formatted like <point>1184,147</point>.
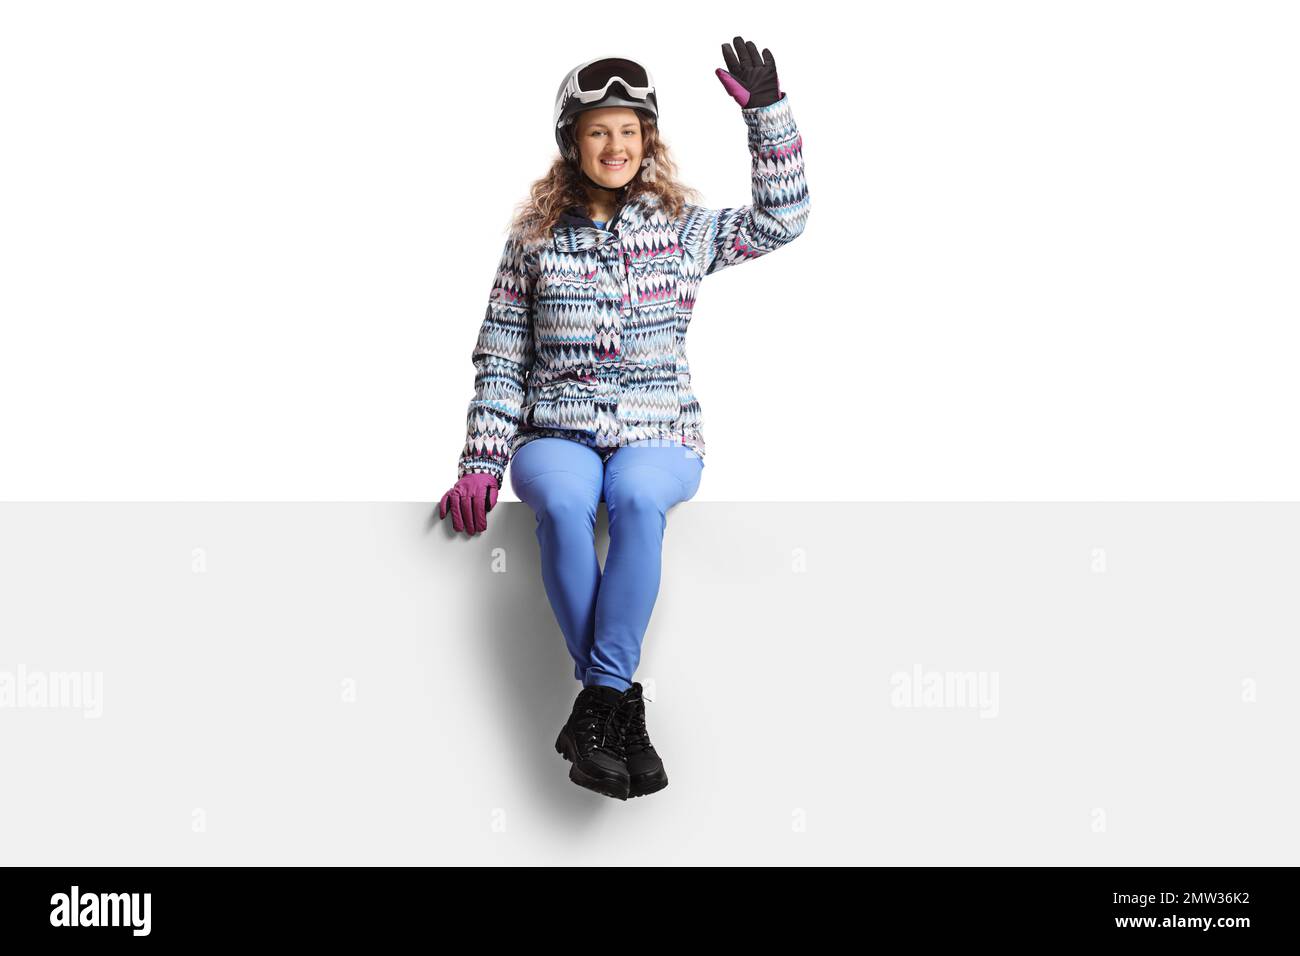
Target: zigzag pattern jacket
<point>585,332</point>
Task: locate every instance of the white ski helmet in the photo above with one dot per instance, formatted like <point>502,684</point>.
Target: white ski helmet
<point>606,81</point>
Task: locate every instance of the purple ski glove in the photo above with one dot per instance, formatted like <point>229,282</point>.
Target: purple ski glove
<point>752,81</point>
<point>469,501</point>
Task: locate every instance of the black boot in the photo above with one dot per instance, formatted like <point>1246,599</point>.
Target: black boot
<point>645,769</point>
<point>592,741</point>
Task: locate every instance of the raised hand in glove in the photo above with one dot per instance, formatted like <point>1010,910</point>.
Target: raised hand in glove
<point>752,81</point>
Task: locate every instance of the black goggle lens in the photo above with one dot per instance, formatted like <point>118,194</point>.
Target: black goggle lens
<point>598,74</point>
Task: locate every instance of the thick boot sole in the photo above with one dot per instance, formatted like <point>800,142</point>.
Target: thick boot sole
<point>615,787</point>
<point>648,783</point>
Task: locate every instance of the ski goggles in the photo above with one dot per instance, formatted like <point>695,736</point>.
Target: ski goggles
<point>593,79</point>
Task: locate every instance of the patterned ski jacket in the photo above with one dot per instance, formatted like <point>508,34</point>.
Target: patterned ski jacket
<point>585,332</point>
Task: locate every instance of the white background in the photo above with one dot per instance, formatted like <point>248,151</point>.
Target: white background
<point>245,248</point>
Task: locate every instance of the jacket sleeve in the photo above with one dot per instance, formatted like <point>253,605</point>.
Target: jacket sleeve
<point>718,238</point>
<point>502,358</point>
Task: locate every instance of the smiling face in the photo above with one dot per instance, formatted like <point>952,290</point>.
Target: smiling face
<point>609,145</point>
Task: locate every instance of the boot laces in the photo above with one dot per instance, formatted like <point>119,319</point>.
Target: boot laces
<point>635,735</point>
<point>598,726</point>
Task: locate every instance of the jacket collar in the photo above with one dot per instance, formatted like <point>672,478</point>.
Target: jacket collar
<point>575,232</point>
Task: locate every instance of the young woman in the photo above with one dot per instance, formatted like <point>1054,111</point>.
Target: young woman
<point>582,379</point>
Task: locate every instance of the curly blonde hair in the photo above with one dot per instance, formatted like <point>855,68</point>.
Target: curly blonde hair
<point>562,186</point>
